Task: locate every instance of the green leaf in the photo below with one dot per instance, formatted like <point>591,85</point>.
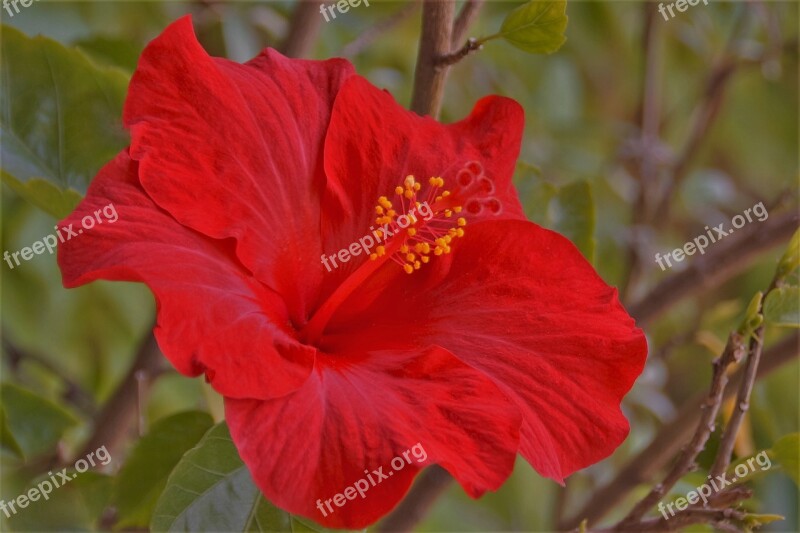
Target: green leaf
<point>94,490</point>
<point>790,261</point>
<point>8,444</point>
<point>758,520</point>
<point>787,453</point>
<point>60,119</point>
<point>211,490</point>
<point>536,26</point>
<point>753,317</point>
<point>537,201</point>
<point>36,423</point>
<point>782,307</point>
<point>111,51</point>
<point>144,476</point>
<point>573,216</point>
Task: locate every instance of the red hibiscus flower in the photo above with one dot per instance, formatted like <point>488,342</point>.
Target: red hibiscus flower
<point>241,187</point>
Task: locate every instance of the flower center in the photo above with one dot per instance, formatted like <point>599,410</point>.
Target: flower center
<point>413,230</point>
<point>424,229</point>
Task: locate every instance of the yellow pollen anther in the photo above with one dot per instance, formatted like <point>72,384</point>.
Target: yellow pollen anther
<point>421,240</point>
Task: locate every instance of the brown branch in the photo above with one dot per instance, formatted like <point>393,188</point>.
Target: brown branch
<point>721,262</point>
<point>670,438</point>
<point>429,76</point>
<point>472,45</point>
<point>703,118</point>
<point>686,518</point>
<point>734,351</point>
<point>430,484</point>
<point>646,171</point>
<point>119,413</point>
<point>303,30</point>
<point>356,46</point>
<point>465,18</point>
<point>686,461</point>
<point>725,449</point>
<point>723,457</point>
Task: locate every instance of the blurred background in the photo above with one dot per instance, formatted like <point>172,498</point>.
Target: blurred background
<point>639,132</point>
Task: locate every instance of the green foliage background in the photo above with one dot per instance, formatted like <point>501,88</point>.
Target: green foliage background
<point>582,110</point>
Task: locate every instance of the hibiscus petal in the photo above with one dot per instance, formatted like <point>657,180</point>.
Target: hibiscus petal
<point>360,412</point>
<point>213,316</point>
<point>373,144</point>
<point>235,150</point>
<point>521,304</point>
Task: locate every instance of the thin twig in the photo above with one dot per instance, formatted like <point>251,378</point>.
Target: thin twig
<point>356,46</point>
<point>472,45</point>
<point>429,76</point>
<point>721,262</point>
<point>430,484</point>
<point>303,30</point>
<point>734,351</point>
<point>119,414</point>
<point>723,458</point>
<point>703,117</point>
<point>650,122</point>
<point>685,518</point>
<point>670,437</point>
<point>467,15</point>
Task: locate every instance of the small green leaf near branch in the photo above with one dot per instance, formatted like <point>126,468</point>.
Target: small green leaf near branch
<point>536,27</point>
